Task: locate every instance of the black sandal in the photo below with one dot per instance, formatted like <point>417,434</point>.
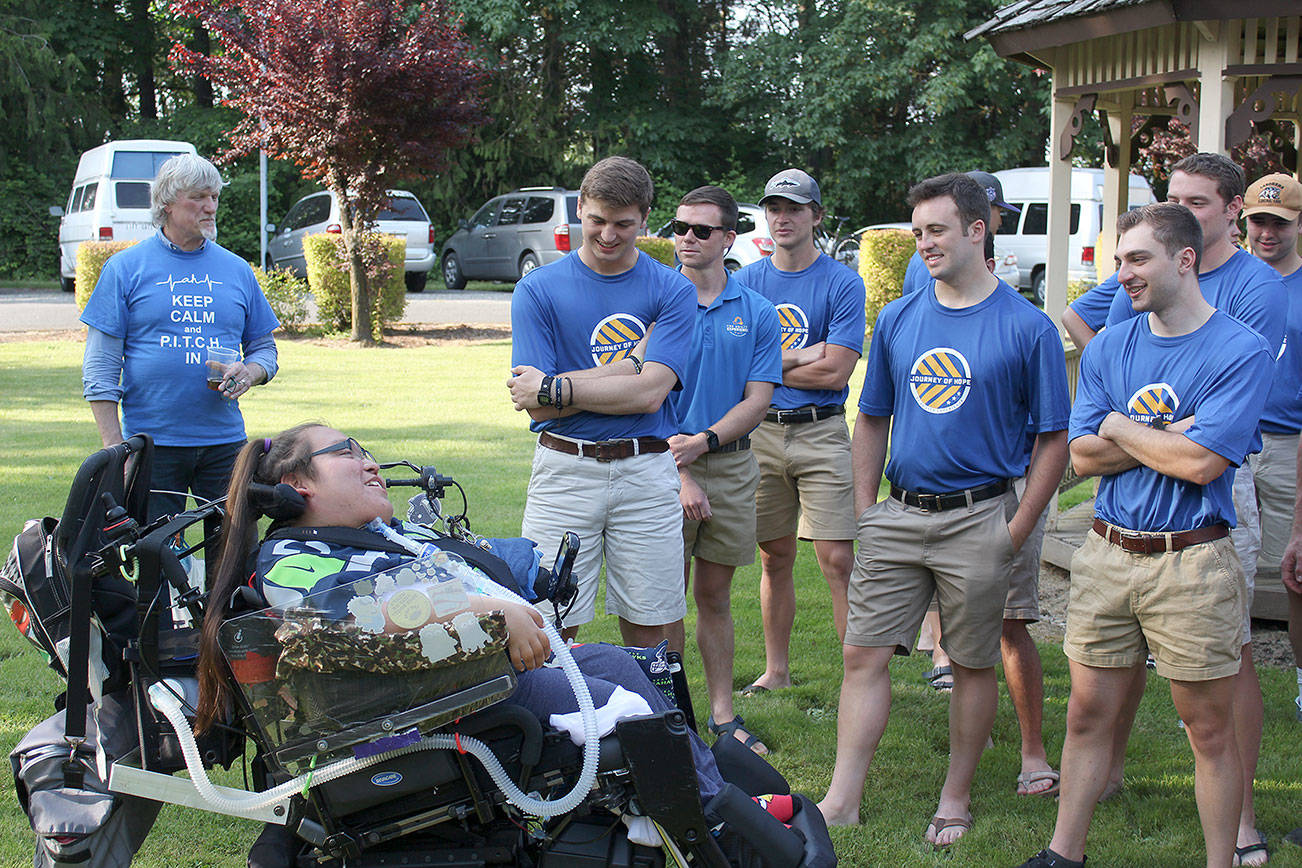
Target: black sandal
<point>730,729</point>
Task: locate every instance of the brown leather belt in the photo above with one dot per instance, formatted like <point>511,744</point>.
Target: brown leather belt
<point>605,450</point>
<point>1157,543</point>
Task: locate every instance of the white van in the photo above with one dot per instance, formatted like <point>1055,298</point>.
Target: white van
<point>1026,234</point>
<point>110,197</point>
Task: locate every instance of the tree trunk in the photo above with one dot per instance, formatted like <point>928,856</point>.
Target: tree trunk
<point>358,284</point>
<point>142,27</point>
<point>200,42</point>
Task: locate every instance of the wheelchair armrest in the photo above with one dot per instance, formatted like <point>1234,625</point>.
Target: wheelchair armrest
<point>505,715</point>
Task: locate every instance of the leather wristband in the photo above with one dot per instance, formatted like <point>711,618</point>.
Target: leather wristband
<point>637,363</point>
<point>711,441</point>
<point>545,392</point>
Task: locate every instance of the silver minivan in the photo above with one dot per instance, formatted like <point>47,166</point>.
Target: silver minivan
<point>513,234</point>
<point>319,212</point>
<point>109,200</point>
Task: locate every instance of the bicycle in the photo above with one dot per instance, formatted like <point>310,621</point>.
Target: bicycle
<point>844,248</point>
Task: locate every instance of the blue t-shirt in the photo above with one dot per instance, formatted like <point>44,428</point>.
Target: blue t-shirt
<point>1283,413</point>
<point>1093,305</point>
<point>1219,373</point>
<point>1243,286</point>
<point>823,302</point>
<point>916,275</point>
<point>961,385</point>
<point>567,317</point>
<point>168,306</point>
<point>736,340</point>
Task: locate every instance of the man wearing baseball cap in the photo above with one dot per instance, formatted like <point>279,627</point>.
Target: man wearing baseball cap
<point>1272,206</point>
<point>916,275</point>
<point>806,487</point>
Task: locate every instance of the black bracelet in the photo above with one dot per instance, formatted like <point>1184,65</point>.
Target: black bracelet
<point>711,441</point>
<point>545,392</point>
<point>637,363</point>
<point>556,394</point>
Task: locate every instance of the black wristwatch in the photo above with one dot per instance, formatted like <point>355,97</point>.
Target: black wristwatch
<point>711,441</point>
<point>545,392</point>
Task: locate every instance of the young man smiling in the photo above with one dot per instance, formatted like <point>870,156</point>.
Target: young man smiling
<point>594,387</point>
<point>958,372</point>
<point>736,362</point>
<point>1166,402</point>
<point>803,446</point>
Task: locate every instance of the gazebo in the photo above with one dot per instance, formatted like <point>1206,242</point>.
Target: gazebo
<point>1223,68</point>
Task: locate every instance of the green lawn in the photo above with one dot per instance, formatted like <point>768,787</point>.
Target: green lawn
<point>447,405</point>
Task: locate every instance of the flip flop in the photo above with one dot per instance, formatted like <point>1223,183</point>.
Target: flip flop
<point>755,689</point>
<point>730,730</point>
<point>1249,849</point>
<point>939,824</point>
<point>1026,780</point>
<point>941,679</point>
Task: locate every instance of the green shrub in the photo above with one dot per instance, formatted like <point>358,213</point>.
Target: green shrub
<point>327,277</point>
<point>883,258</point>
<point>286,294</point>
<point>1077,288</point>
<point>91,256</point>
<point>659,249</point>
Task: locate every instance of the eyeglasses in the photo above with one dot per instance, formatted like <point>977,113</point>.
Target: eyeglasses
<point>700,230</point>
<point>349,445</point>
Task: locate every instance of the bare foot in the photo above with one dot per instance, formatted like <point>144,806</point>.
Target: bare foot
<point>834,816</point>
<point>1111,790</point>
<point>764,684</point>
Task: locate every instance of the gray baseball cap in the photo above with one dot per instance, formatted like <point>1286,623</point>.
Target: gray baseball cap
<point>994,190</point>
<point>795,185</point>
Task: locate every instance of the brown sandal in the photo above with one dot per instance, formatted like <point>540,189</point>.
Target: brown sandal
<point>940,824</point>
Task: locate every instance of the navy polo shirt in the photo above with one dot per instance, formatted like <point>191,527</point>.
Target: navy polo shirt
<point>735,339</point>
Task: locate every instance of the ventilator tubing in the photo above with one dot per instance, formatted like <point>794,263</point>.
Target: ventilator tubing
<point>163,696</point>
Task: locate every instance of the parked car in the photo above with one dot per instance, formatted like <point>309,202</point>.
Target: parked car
<point>1006,265</point>
<point>512,234</point>
<point>319,212</point>
<point>109,200</point>
<point>753,242</point>
<point>1026,234</point>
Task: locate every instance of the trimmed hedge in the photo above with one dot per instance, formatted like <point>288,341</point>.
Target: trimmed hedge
<point>883,258</point>
<point>327,278</point>
<point>286,294</point>
<point>659,249</point>
<point>91,256</point>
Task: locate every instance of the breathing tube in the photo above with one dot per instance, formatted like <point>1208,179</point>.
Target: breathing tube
<point>164,697</point>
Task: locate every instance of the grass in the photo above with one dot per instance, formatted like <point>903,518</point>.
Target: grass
<point>446,404</point>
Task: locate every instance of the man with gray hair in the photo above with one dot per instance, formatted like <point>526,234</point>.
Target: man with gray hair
<point>157,310</point>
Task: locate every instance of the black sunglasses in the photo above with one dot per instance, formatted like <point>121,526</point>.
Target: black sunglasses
<point>349,445</point>
<point>700,230</point>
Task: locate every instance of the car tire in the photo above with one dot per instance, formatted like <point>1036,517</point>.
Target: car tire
<point>67,284</point>
<point>528,263</point>
<point>1037,288</point>
<point>452,276</point>
<point>415,280</point>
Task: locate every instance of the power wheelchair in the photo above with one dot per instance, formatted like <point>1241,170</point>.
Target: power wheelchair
<point>108,596</point>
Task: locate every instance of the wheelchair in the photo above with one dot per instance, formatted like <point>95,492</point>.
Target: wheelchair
<point>416,764</point>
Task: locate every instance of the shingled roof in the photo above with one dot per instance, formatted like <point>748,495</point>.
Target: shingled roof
<point>1021,14</point>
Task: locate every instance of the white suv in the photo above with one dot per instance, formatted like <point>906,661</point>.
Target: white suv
<point>319,212</point>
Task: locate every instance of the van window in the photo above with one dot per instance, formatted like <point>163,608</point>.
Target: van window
<point>1009,226</point>
<point>314,209</point>
<point>572,208</point>
<point>538,210</point>
<point>132,194</point>
<point>1036,219</point>
<point>485,216</point>
<point>74,203</point>
<point>403,208</point>
<point>88,198</point>
<point>511,211</point>
<point>139,164</point>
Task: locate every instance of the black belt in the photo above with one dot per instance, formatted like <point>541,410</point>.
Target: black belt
<point>1143,543</point>
<point>953,500</point>
<point>804,414</point>
<point>605,450</point>
<point>741,443</point>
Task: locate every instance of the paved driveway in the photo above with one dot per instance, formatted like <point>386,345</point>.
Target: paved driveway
<point>45,310</point>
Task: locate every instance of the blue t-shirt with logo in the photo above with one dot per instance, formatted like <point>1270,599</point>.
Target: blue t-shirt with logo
<point>567,317</point>
<point>961,384</point>
<point>168,306</point>
<point>1243,286</point>
<point>823,302</point>
<point>736,340</point>
<point>1093,304</point>
<point>1283,413</point>
<point>1219,373</point>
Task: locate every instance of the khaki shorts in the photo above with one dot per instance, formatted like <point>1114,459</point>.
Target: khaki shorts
<point>1246,536</point>
<point>729,480</point>
<point>963,556</point>
<point>1275,470</point>
<point>626,511</point>
<point>1185,607</point>
<point>806,486</point>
